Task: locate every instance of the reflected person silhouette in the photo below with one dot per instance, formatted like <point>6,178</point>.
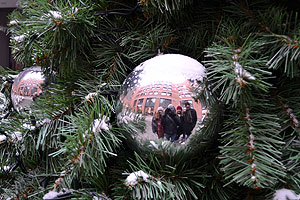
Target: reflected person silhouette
<point>170,122</point>
<point>157,126</point>
<point>180,131</point>
<point>189,119</point>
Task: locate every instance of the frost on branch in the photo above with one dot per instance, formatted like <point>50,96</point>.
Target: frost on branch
<point>55,14</point>
<point>252,160</point>
<point>241,74</point>
<point>18,39</point>
<point>90,96</point>
<point>17,136</point>
<point>2,138</point>
<point>55,195</point>
<point>154,144</point>
<point>13,22</point>
<point>239,71</point>
<point>134,178</point>
<point>51,195</point>
<point>100,124</point>
<point>126,117</point>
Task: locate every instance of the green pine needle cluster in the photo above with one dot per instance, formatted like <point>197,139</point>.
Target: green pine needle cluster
<point>71,141</point>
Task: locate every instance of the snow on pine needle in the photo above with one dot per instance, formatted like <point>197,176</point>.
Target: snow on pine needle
<point>101,124</point>
<point>135,177</point>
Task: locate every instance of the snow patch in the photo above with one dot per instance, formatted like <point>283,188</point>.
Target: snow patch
<point>100,124</point>
<point>154,144</point>
<point>2,138</point>
<point>55,14</point>
<point>132,179</point>
<point>90,96</point>
<point>285,194</point>
<point>13,22</point>
<point>19,38</point>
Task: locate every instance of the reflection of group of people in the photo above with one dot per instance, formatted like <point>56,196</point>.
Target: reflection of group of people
<point>173,123</point>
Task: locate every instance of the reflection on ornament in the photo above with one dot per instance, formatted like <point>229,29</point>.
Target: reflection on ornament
<point>158,82</point>
<point>27,86</point>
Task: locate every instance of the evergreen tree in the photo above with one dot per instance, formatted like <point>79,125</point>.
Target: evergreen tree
<point>71,146</point>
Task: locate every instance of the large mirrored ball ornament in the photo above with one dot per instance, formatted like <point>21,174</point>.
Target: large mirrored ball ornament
<point>165,81</point>
<point>27,86</point>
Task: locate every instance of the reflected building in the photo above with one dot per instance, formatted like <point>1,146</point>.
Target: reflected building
<point>146,99</point>
<point>30,86</point>
<point>26,86</point>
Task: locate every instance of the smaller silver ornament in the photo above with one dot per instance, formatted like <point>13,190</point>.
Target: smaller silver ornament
<point>27,85</point>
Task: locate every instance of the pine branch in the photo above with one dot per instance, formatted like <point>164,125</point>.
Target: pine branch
<point>87,138</point>
<point>288,104</point>
<point>67,141</point>
<point>251,153</point>
<point>286,54</point>
<point>167,180</point>
<point>144,45</point>
<point>165,7</point>
<point>233,72</point>
<point>57,31</point>
<point>281,30</point>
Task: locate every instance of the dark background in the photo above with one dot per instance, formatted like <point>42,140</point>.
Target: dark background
<point>5,58</point>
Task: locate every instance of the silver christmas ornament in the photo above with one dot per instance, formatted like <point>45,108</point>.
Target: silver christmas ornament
<point>27,86</point>
<point>158,82</point>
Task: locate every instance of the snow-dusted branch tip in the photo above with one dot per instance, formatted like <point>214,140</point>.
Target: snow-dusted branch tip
<point>100,124</point>
<point>133,178</point>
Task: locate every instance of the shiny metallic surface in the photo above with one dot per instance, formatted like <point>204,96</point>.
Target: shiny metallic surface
<point>26,86</point>
<point>158,82</point>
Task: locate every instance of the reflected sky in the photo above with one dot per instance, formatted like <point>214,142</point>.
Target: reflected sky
<point>168,68</point>
<point>171,68</point>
